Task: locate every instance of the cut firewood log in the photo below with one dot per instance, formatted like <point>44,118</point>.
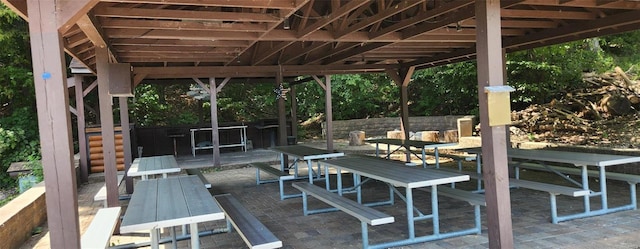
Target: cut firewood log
<point>624,76</point>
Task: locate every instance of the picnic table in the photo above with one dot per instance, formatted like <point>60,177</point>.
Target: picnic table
<point>581,160</point>
<point>402,143</point>
<point>154,165</point>
<point>170,202</point>
<point>395,174</point>
<point>305,153</point>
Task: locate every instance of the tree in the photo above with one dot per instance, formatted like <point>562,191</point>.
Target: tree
<point>16,79</point>
<point>19,139</point>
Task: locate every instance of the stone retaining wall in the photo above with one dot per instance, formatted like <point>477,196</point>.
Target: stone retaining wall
<point>374,127</point>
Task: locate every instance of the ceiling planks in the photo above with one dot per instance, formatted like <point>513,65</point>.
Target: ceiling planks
<point>320,35</point>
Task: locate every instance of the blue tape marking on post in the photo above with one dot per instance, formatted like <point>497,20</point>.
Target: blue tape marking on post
<point>46,75</point>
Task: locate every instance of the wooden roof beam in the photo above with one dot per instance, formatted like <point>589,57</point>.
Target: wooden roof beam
<point>71,11</point>
<point>443,9</point>
<point>386,13</point>
<point>355,51</point>
<point>180,25</point>
<point>276,35</point>
<point>18,6</point>
<point>334,51</point>
<point>175,49</point>
<point>617,4</point>
<point>626,18</point>
<point>283,16</point>
<point>301,51</point>
<point>169,14</point>
<point>527,24</point>
<point>176,42</point>
<point>89,28</point>
<point>547,14</point>
<point>271,4</point>
<point>224,71</point>
<point>340,11</point>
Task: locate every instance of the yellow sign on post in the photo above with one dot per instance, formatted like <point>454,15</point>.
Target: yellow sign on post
<point>499,104</point>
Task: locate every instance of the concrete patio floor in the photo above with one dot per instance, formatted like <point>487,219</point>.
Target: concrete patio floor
<point>530,209</point>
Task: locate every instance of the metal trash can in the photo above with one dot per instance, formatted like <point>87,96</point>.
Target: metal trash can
<point>291,140</point>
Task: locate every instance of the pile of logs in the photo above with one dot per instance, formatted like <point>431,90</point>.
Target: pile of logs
<point>605,97</point>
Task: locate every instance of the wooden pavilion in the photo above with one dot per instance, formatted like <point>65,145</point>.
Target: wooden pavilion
<point>223,40</point>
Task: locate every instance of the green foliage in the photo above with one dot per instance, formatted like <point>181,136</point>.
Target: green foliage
<point>243,102</point>
<point>36,169</point>
<point>622,49</point>
<point>542,74</point>
<point>16,81</point>
<point>445,90</point>
<point>19,141</point>
<point>164,105</point>
<point>353,96</point>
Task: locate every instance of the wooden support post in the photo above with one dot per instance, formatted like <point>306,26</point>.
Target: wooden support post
<point>329,111</point>
<point>54,124</point>
<point>494,150</point>
<point>282,115</point>
<point>126,139</point>
<point>294,112</point>
<point>82,136</point>
<point>402,78</point>
<point>215,138</point>
<point>106,127</point>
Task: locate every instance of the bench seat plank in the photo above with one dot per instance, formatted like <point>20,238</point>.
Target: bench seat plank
<point>551,188</point>
<point>102,192</point>
<point>459,194</point>
<point>101,228</point>
<point>355,209</point>
<point>267,168</point>
<point>282,176</point>
<point>472,175</point>
<point>252,231</point>
<point>198,173</point>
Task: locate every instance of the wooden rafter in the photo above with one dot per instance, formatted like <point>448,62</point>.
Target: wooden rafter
<point>219,33</point>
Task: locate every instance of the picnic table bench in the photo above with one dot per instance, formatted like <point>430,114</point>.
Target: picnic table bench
<point>253,232</point>
<point>474,199</point>
<point>581,161</point>
<point>101,228</point>
<point>552,189</point>
<point>366,215</point>
<point>102,192</point>
<point>281,177</point>
<point>198,173</point>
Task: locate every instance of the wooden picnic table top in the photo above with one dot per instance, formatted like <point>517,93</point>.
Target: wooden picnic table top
<point>394,172</point>
<point>413,143</point>
<point>154,165</point>
<point>305,152</point>
<point>168,202</point>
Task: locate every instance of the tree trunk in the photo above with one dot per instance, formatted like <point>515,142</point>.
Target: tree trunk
<point>356,138</point>
<point>431,136</point>
<point>451,136</point>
